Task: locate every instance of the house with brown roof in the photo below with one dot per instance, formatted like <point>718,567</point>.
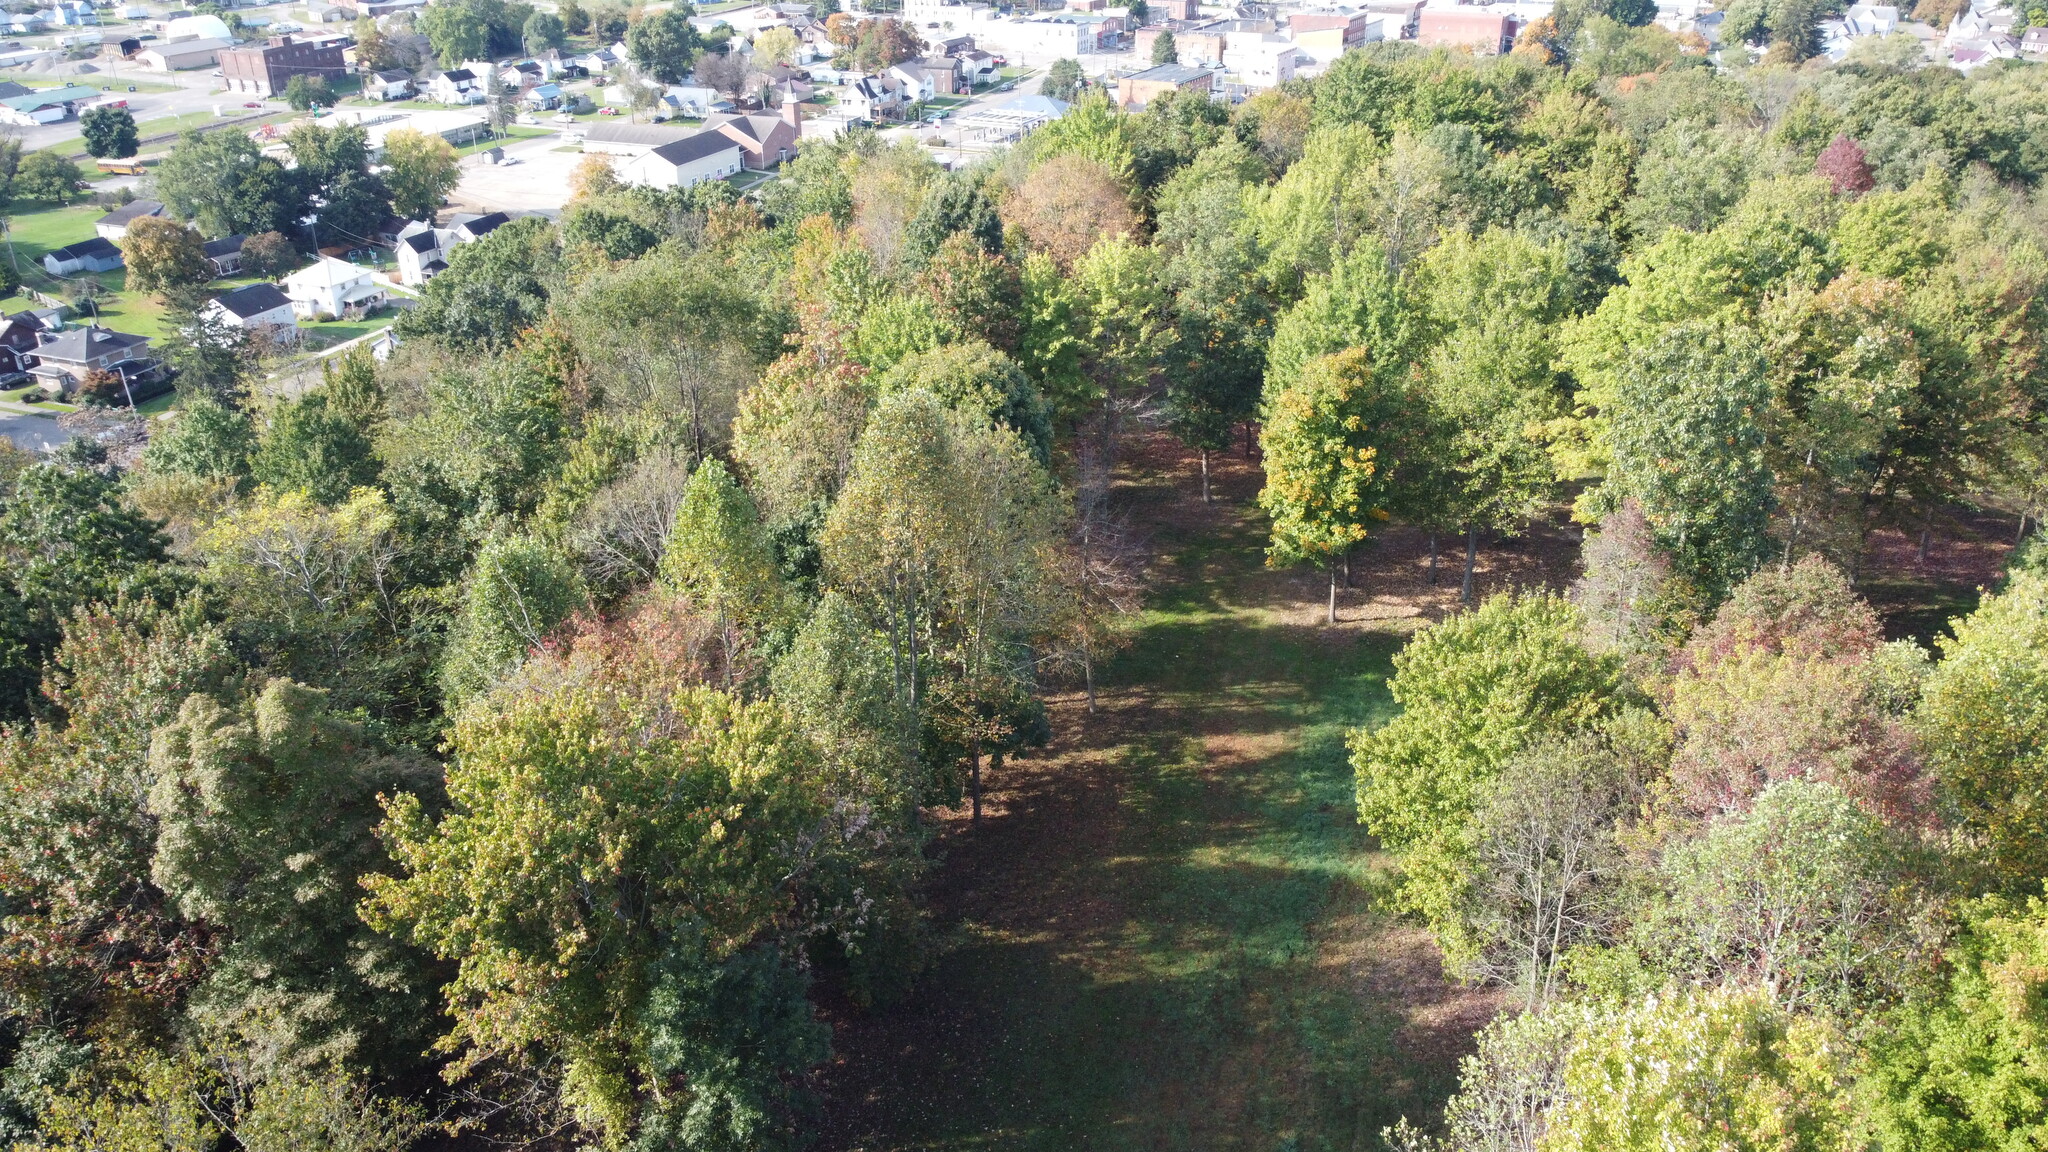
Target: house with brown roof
<point>765,139</point>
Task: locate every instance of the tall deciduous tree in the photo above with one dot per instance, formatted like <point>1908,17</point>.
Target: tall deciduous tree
<point>108,132</point>
<point>518,590</point>
<point>1475,691</point>
<point>421,170</point>
<point>163,255</point>
<point>664,44</point>
<point>1330,441</point>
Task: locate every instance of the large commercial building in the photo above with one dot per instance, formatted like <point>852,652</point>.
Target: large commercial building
<point>265,69</point>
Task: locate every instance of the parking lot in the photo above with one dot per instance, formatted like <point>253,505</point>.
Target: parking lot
<point>538,182</point>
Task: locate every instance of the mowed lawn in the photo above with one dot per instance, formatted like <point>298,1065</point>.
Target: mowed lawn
<point>1169,931</point>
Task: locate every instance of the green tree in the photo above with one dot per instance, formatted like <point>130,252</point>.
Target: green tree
<point>163,255</point>
<point>1688,443</point>
<point>1726,1068</point>
<point>664,44</point>
<point>225,186</point>
<point>720,557</point>
<point>108,132</point>
<point>207,439</point>
<point>304,93</point>
<point>312,448</point>
<point>420,170</point>
<point>957,205</point>
<point>492,289</point>
<point>518,590</point>
<point>1063,80</point>
<point>1967,1068</point>
<point>47,176</point>
<point>265,827</point>
<point>1329,440</point>
<point>270,255</point>
<point>1805,894</point>
<point>979,382</point>
<point>68,540</point>
<point>1475,691</point>
<point>596,872</point>
<point>1164,51</point>
<point>1983,725</point>
<point>456,32</point>
<point>543,31</point>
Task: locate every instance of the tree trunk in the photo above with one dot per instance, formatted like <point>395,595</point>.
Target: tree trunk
<point>1247,439</point>
<point>1088,673</point>
<point>1347,567</point>
<point>1432,559</point>
<point>1926,531</point>
<point>1471,560</point>
<point>1333,594</point>
<point>976,818</point>
<point>1205,476</point>
<point>2021,537</point>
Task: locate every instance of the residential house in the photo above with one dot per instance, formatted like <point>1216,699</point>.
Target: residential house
<point>708,155</point>
<point>43,319</point>
<point>114,225</point>
<point>977,67</point>
<point>543,97</point>
<point>918,81</point>
<point>95,255</point>
<point>1860,21</point>
<point>874,98</point>
<point>460,86</point>
<point>69,357</point>
<point>1141,88</point>
<point>522,75</point>
<point>470,227</point>
<point>45,106</point>
<point>388,85</point>
<point>2034,41</point>
<point>945,74</point>
<point>697,101</point>
<point>182,56</point>
<point>333,289</point>
<point>764,139</point>
<point>257,308</point>
<point>225,254</point>
<point>18,340</point>
<point>602,60</point>
<point>1484,33</point>
<point>264,69</point>
<point>422,254</point>
<point>24,24</point>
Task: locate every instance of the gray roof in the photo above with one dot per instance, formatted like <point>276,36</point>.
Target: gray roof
<point>653,135</point>
<point>460,74</point>
<point>481,225</point>
<point>254,300</point>
<point>97,246</point>
<point>190,47</point>
<point>130,212</point>
<point>394,77</point>
<point>78,345</point>
<point>226,245</point>
<point>420,241</point>
<point>696,147</point>
<point>1171,74</point>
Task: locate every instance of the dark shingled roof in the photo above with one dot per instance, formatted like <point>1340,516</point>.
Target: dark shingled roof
<point>130,212</point>
<point>225,246</point>
<point>695,147</point>
<point>254,300</point>
<point>78,345</point>
<point>97,246</point>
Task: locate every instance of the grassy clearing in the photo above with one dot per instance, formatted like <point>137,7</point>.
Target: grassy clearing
<point>1168,930</point>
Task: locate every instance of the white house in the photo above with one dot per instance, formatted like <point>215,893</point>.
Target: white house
<point>460,86</point>
<point>388,85</point>
<point>97,254</point>
<point>114,225</point>
<point>873,97</point>
<point>918,82</point>
<point>258,307</point>
<point>333,289</point>
<point>1259,63</point>
<point>422,253</point>
<point>684,163</point>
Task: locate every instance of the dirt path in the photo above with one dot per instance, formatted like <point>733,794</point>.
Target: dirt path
<point>1168,930</point>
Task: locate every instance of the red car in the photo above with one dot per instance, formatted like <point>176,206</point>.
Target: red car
<point>252,104</point>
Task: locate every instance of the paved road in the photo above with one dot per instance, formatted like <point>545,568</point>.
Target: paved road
<point>33,432</point>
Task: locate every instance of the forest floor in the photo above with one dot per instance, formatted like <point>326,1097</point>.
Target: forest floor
<point>1168,931</point>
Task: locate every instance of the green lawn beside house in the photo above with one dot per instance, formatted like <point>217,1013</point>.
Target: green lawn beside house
<point>38,232</point>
